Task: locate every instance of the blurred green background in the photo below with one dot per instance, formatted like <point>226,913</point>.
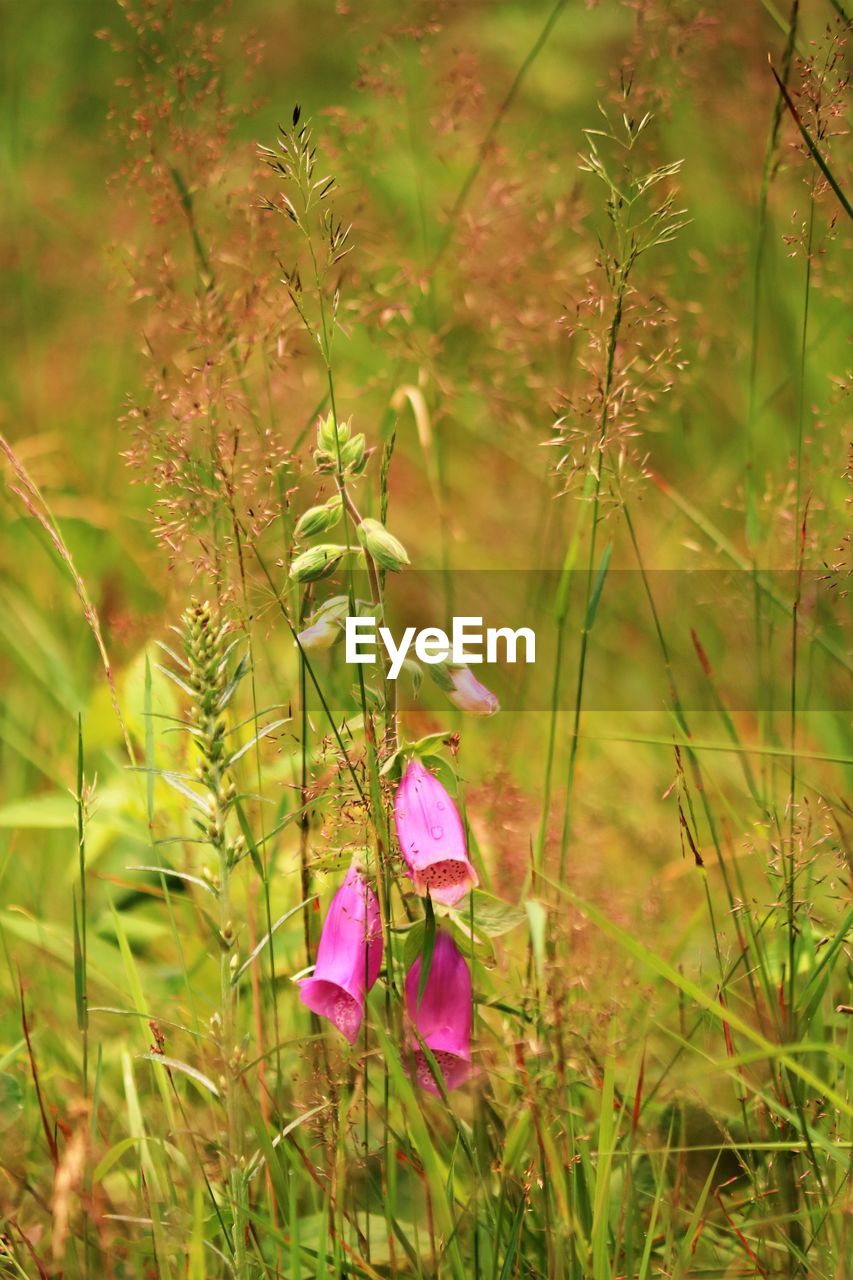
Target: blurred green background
<point>407,105</point>
<point>472,311</point>
<point>401,103</point>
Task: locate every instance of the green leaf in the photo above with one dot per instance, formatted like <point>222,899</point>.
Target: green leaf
<point>177,875</point>
<point>604,1167</point>
<point>785,1055</point>
<point>598,586</point>
<point>507,1270</point>
<point>79,972</point>
<point>115,1154</point>
<point>424,746</point>
<point>176,679</point>
<point>428,947</point>
<point>174,1064</point>
<point>536,919</point>
<point>178,784</point>
<point>443,771</point>
<point>262,733</point>
<point>492,915</point>
<point>265,939</point>
<point>232,685</point>
<point>58,941</point>
<point>413,944</point>
<point>424,1144</point>
<point>149,745</point>
<point>393,766</point>
<point>439,673</point>
<point>55,810</point>
<point>248,836</point>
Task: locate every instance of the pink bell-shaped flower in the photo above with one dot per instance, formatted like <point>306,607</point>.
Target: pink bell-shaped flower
<point>348,958</point>
<point>432,837</point>
<point>468,694</point>
<point>443,1016</point>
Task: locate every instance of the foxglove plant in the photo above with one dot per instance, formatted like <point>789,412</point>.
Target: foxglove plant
<point>431,833</point>
<point>441,1016</point>
<point>432,837</point>
<point>348,957</point>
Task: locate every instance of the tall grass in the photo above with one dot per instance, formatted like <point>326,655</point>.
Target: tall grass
<point>659,942</point>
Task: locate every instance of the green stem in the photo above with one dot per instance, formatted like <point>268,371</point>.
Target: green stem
<point>752,525</point>
<point>799,552</point>
<point>612,340</point>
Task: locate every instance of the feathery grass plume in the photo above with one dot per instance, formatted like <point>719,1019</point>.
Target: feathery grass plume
<point>624,337</point>
<point>201,269</point>
<point>483,356</point>
<point>642,215</point>
<point>819,113</point>
<point>817,125</point>
<point>671,47</point>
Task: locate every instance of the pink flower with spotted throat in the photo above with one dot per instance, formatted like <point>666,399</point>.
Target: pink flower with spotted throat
<point>432,837</point>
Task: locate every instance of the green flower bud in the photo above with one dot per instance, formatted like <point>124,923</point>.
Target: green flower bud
<point>320,519</point>
<point>326,434</point>
<point>385,549</point>
<point>317,562</point>
<point>353,454</point>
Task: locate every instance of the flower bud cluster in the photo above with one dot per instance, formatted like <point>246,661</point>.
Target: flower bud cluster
<point>338,450</point>
<point>344,455</point>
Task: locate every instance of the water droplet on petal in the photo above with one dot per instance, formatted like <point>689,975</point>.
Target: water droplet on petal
<point>436,832</point>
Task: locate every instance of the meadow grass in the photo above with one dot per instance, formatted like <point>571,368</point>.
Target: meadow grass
<point>550,290</point>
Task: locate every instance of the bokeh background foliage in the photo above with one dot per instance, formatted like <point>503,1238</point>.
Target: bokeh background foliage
<point>662,1027</point>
